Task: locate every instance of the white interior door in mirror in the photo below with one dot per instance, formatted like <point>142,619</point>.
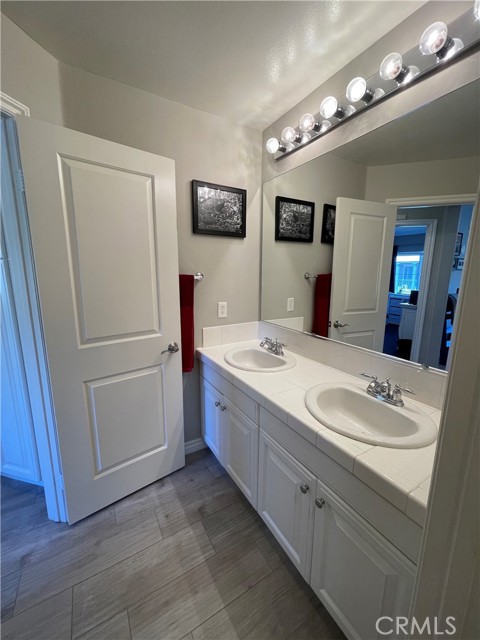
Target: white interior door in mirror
<point>362,256</point>
<point>103,225</point>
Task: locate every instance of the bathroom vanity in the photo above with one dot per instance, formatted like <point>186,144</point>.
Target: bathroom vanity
<point>348,514</point>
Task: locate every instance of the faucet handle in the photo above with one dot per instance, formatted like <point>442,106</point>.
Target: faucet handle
<point>368,375</point>
<point>406,389</point>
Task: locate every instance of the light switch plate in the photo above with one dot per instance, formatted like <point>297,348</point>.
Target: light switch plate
<point>290,304</point>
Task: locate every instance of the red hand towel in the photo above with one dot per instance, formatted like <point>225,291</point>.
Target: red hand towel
<point>186,321</point>
<point>321,304</point>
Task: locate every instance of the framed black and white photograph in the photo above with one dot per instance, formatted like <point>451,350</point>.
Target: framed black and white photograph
<point>294,219</point>
<point>219,210</point>
<point>328,224</point>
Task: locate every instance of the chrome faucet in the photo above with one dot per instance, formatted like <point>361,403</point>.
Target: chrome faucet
<point>273,345</point>
<point>383,391</point>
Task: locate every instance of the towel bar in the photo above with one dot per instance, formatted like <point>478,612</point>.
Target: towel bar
<point>307,276</point>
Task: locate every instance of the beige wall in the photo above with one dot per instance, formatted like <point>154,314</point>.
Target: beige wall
<point>30,74</point>
<point>284,263</point>
<point>418,179</point>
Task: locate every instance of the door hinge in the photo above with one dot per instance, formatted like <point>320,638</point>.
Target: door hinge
<point>19,181</point>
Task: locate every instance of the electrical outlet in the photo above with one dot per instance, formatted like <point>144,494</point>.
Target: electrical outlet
<point>290,304</point>
<point>221,309</point>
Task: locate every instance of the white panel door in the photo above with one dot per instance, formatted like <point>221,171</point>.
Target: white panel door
<point>286,493</point>
<point>357,574</point>
<point>362,256</point>
<point>103,225</point>
<point>240,450</point>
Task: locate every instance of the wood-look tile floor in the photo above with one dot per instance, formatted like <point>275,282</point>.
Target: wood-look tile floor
<point>185,558</point>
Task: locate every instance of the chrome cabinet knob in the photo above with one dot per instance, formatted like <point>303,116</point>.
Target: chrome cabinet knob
<point>172,348</point>
<point>223,408</point>
<point>304,488</point>
<point>217,403</point>
<point>338,324</point>
<point>320,502</point>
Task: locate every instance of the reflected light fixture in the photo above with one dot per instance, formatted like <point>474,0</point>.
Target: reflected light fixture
<point>273,145</point>
<point>289,135</point>
<point>435,40</point>
<point>476,9</point>
<point>357,90</point>
<point>392,68</point>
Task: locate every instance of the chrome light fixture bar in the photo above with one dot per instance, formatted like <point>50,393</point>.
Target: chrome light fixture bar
<point>439,44</point>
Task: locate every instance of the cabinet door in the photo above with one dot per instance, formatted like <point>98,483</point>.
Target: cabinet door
<point>211,419</point>
<point>240,450</point>
<point>286,492</point>
<point>357,574</point>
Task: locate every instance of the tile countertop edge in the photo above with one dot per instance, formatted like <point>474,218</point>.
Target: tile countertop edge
<point>360,459</point>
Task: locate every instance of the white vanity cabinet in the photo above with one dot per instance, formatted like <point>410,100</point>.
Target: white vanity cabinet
<point>231,434</point>
<point>357,574</point>
<point>286,494</point>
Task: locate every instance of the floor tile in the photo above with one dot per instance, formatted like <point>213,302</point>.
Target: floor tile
<point>185,603</point>
<point>67,564</point>
<point>50,620</point>
<point>190,506</point>
<point>9,593</point>
<point>117,628</point>
<point>131,580</point>
<point>271,610</point>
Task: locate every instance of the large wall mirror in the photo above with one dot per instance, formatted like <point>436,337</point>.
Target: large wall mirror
<point>398,249</point>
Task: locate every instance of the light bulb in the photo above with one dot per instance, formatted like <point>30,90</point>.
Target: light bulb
<point>330,109</point>
<point>435,40</point>
<point>289,135</point>
<point>357,90</point>
<point>476,10</point>
<point>273,145</point>
<point>326,124</point>
<point>392,68</point>
<point>308,122</point>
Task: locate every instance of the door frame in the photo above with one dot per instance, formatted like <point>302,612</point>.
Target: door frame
<point>428,248</point>
<point>17,239</point>
<point>427,201</point>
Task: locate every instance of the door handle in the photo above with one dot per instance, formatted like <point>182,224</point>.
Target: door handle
<point>337,325</point>
<point>172,348</point>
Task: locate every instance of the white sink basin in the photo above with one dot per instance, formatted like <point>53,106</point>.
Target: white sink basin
<point>259,360</point>
<point>347,409</point>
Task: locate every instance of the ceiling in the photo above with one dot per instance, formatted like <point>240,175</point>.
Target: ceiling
<point>246,61</point>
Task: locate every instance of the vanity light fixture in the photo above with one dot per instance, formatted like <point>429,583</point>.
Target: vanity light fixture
<point>308,123</point>
<point>435,40</point>
<point>289,135</point>
<point>331,109</point>
<point>357,90</point>
<point>392,68</point>
<point>273,145</point>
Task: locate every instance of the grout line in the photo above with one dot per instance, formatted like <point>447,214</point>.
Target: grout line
<point>129,623</point>
<point>71,615</point>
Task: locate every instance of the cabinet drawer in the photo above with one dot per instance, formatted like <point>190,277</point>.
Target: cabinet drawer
<point>246,405</point>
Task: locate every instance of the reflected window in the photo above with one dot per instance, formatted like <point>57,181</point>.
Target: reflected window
<point>408,268</point>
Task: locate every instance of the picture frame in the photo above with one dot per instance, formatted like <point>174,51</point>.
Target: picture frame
<point>294,219</point>
<point>328,224</point>
<point>219,210</point>
<point>458,244</point>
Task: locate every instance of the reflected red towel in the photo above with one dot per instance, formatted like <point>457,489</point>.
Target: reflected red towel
<point>186,321</point>
<point>321,304</point>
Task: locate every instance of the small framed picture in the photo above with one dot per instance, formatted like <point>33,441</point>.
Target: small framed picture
<point>328,224</point>
<point>294,219</point>
<point>219,210</point>
<point>458,244</point>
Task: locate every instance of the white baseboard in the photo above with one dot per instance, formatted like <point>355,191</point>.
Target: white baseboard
<point>194,445</point>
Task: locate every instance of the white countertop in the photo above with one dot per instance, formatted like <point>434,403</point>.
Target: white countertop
<point>401,476</point>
